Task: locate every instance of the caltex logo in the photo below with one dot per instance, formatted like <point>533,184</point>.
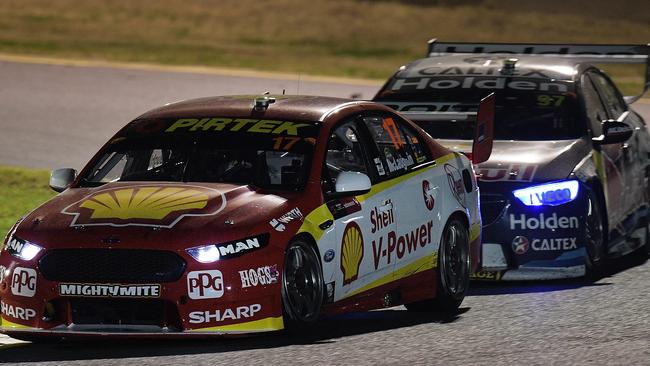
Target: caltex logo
<point>520,244</point>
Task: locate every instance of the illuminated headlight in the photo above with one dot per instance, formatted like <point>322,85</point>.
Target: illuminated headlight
<point>205,254</point>
<point>22,249</point>
<point>549,194</point>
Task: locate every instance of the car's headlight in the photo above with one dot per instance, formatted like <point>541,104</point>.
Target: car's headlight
<point>205,253</point>
<point>22,249</point>
<point>549,194</point>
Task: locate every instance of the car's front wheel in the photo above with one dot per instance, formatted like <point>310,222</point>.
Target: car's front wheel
<point>594,239</point>
<point>453,270</point>
<point>302,285</point>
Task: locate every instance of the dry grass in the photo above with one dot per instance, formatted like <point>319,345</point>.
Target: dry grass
<point>333,37</point>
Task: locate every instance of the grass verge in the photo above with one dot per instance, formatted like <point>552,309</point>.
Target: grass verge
<point>351,38</point>
<point>21,190</point>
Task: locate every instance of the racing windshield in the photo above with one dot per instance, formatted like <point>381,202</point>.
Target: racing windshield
<point>520,114</point>
<point>266,153</point>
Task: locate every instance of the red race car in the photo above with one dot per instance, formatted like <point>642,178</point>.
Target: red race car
<point>241,214</point>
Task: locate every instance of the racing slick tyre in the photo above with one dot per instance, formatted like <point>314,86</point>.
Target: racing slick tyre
<point>595,243</point>
<point>453,270</point>
<point>302,286</point>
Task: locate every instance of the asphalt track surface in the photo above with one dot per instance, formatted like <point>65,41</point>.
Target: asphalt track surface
<point>53,116</point>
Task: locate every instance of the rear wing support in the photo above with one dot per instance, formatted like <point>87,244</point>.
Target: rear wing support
<point>592,53</point>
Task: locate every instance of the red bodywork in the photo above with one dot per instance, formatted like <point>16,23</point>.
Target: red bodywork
<point>62,223</point>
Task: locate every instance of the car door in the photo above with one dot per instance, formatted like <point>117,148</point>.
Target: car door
<point>631,165</point>
<point>361,222</point>
<point>608,158</point>
<point>416,190</point>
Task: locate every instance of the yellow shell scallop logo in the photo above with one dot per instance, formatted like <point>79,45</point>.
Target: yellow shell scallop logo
<point>144,203</point>
<point>161,206</point>
<point>351,252</point>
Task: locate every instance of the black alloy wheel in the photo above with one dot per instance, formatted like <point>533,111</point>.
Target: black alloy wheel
<point>302,285</point>
<point>453,270</point>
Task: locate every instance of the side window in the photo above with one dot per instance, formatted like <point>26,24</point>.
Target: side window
<point>593,106</point>
<point>610,96</point>
<point>344,153</point>
<point>394,146</point>
<point>416,143</point>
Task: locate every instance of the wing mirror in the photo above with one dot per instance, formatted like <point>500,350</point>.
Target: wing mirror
<point>60,179</point>
<point>614,132</point>
<point>352,183</point>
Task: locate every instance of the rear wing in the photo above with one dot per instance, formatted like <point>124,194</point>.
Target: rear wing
<point>484,131</point>
<point>592,53</point>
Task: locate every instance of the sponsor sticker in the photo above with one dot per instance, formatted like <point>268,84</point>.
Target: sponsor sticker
<point>513,172</point>
<point>382,217</point>
<point>455,179</point>
<point>265,275</point>
<point>485,275</point>
<point>205,284</point>
<point>520,245</point>
<point>400,245</point>
<point>109,290</point>
<point>329,255</point>
<point>554,244</point>
<point>236,125</point>
<point>429,194</point>
<point>23,282</point>
<point>142,205</point>
<point>17,312</point>
<point>351,252</point>
<point>279,224</point>
<point>14,245</point>
<point>543,222</point>
<point>220,315</point>
<point>442,82</point>
<point>236,248</point>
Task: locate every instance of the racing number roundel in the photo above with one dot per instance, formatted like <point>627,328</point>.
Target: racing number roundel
<point>351,252</point>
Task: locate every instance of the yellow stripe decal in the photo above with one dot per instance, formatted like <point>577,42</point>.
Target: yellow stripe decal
<point>602,172</point>
<point>417,266</point>
<point>392,182</point>
<point>474,232</point>
<point>262,325</point>
<point>7,325</point>
<point>315,218</point>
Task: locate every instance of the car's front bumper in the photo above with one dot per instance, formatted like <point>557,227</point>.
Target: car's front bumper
<point>531,243</point>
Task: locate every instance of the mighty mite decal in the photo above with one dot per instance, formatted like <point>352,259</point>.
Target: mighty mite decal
<point>145,205</point>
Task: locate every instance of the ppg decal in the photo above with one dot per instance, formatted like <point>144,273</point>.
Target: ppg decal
<point>23,282</point>
<point>205,284</point>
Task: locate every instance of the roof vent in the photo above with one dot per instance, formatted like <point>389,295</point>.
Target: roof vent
<point>509,66</point>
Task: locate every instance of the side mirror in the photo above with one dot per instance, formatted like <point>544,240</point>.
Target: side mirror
<point>614,132</point>
<point>352,183</point>
<point>60,179</point>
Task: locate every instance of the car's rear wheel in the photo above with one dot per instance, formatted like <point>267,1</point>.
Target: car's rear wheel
<point>302,285</point>
<point>595,242</point>
<point>453,270</point>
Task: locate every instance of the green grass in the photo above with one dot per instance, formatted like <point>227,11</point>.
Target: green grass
<point>352,38</point>
<point>21,190</point>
